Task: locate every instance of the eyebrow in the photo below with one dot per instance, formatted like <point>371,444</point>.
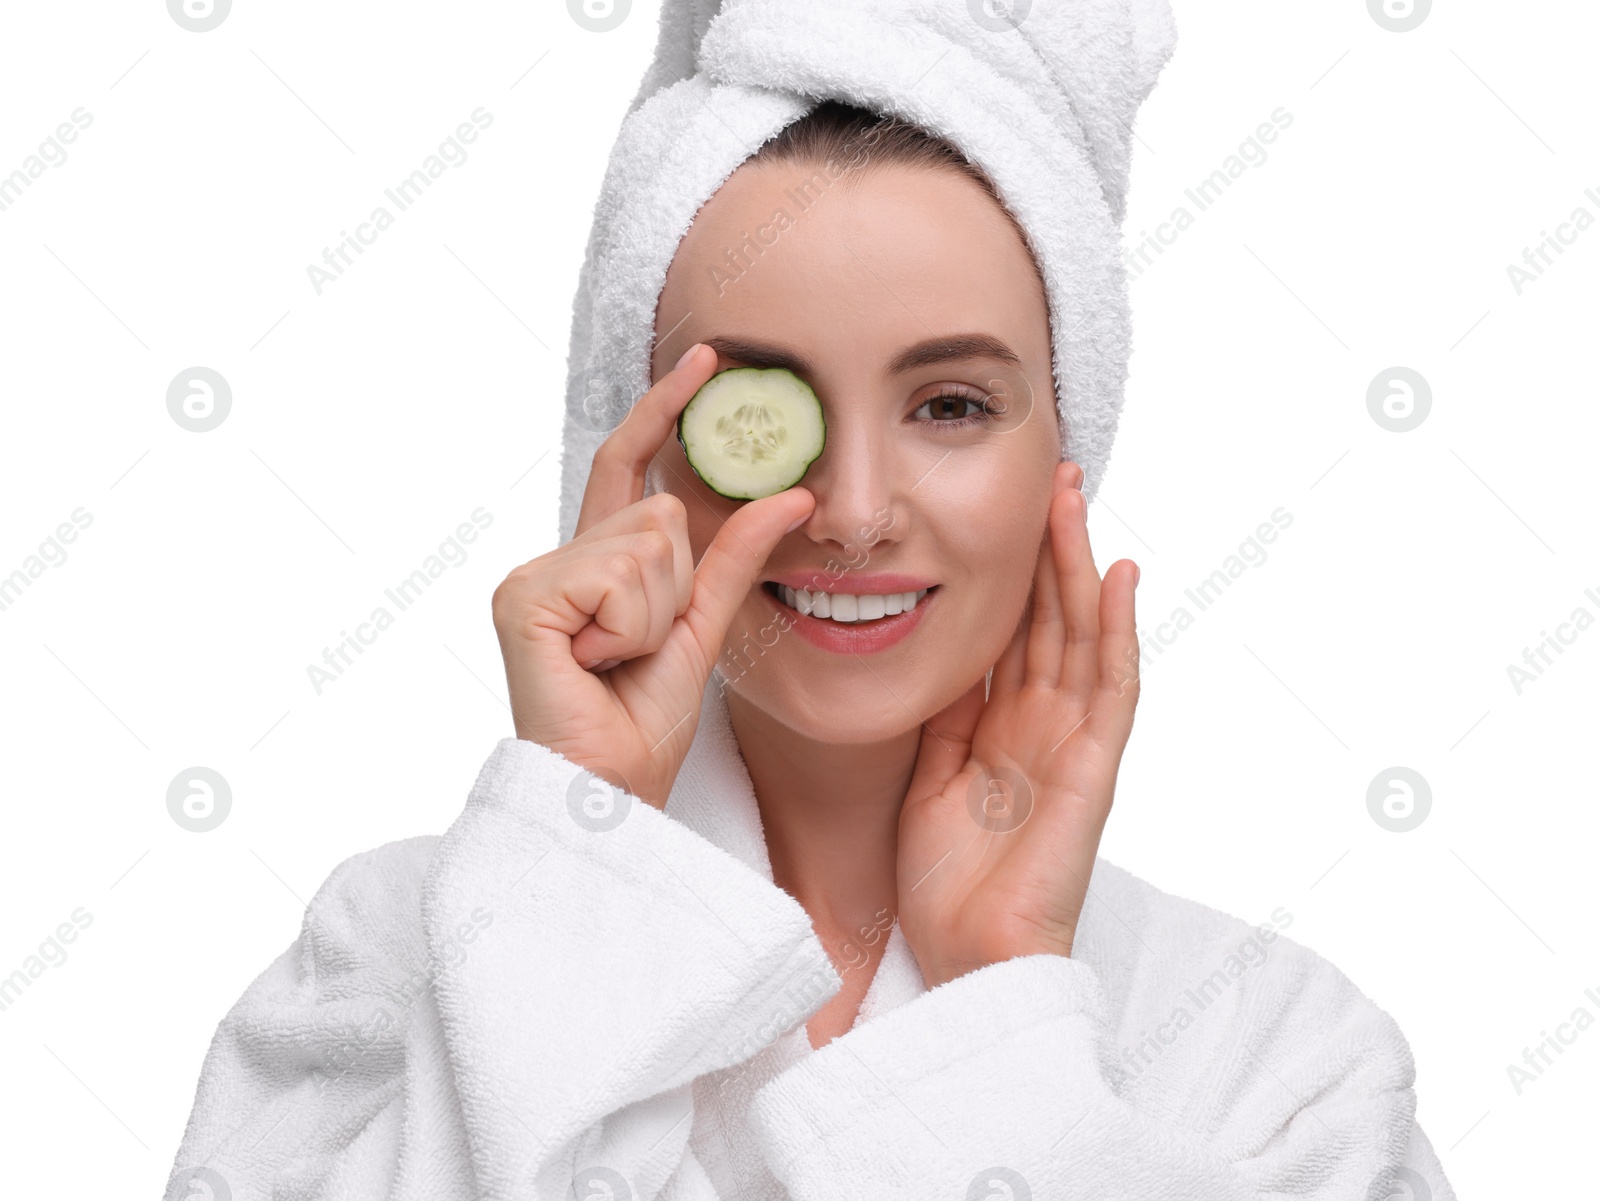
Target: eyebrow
<point>926,353</point>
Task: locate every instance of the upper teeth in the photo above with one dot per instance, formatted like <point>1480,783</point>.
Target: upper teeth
<point>850,606</point>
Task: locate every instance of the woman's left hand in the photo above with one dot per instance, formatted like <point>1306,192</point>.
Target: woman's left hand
<point>1002,819</point>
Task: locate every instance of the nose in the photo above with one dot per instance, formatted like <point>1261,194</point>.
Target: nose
<point>853,481</point>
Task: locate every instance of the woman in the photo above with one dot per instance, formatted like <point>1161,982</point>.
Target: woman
<point>762,903</point>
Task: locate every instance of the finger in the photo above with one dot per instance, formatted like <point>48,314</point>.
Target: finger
<point>947,740</point>
<point>601,598</point>
<point>616,477</point>
<point>602,603</point>
<point>730,565</point>
<point>673,521</point>
<point>1118,652</point>
<point>1079,585</point>
<point>665,512</point>
<point>1010,668</point>
<point>1047,631</point>
<point>622,632</point>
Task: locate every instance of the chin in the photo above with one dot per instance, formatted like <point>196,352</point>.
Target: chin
<point>843,729</point>
<point>843,703</point>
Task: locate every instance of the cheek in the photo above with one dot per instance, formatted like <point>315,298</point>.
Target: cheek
<point>1001,559</point>
<point>992,555</point>
<point>989,522</point>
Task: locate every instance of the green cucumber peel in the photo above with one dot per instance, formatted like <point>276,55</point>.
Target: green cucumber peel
<point>751,432</point>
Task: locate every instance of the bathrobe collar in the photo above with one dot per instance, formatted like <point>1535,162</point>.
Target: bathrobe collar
<point>713,795</point>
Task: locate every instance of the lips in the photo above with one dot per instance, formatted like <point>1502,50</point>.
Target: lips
<point>854,638</point>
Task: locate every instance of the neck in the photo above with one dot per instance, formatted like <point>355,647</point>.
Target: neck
<point>831,816</point>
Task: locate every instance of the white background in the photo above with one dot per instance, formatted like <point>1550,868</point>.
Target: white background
<point>370,420</point>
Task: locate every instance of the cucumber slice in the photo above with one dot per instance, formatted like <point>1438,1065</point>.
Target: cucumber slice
<point>752,431</point>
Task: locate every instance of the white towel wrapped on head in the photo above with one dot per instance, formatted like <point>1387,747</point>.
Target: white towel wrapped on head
<point>1042,101</point>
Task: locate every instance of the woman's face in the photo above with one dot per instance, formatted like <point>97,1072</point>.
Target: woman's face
<point>838,290</point>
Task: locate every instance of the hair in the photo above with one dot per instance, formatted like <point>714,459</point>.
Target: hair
<point>859,140</point>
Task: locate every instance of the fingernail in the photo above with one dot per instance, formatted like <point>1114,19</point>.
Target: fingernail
<point>798,523</point>
<point>1135,575</point>
<point>683,360</point>
<point>589,666</point>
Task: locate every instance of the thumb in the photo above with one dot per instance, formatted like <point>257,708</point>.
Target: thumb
<point>735,558</point>
<point>947,741</point>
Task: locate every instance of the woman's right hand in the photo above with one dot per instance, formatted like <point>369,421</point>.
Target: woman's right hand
<point>625,591</point>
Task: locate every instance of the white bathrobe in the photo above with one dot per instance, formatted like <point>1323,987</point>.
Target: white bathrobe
<point>571,994</point>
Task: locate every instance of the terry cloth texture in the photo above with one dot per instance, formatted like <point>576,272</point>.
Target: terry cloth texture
<point>1043,101</point>
<point>571,991</point>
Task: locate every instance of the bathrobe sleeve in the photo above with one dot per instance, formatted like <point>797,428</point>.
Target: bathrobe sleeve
<point>515,1010</point>
<point>999,1083</point>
